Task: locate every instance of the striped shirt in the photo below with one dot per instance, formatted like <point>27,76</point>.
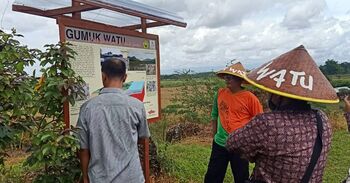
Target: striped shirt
<point>110,125</point>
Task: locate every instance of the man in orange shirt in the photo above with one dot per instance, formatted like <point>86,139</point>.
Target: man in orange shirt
<point>233,108</point>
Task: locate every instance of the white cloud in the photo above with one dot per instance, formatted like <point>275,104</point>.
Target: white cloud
<point>219,31</point>
<point>301,13</point>
<point>230,13</point>
<point>37,31</point>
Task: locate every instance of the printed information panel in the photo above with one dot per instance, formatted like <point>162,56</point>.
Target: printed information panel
<point>93,48</point>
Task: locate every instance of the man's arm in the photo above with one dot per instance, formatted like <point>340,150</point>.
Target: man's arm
<point>214,124</point>
<point>84,156</point>
<point>142,127</point>
<point>248,140</point>
<point>143,139</point>
<point>215,115</point>
<point>84,153</point>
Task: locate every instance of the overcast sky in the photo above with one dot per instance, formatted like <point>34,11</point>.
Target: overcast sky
<point>253,31</point>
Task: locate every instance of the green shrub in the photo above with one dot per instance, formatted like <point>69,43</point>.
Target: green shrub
<point>193,100</point>
<point>39,111</point>
<point>16,92</point>
<point>54,148</point>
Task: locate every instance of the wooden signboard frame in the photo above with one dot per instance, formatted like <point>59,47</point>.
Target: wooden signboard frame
<point>64,22</point>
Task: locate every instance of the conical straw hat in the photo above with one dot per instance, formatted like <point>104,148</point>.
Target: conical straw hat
<point>236,69</point>
<point>294,75</point>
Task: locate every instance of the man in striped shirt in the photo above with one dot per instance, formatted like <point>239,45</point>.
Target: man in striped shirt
<point>110,126</point>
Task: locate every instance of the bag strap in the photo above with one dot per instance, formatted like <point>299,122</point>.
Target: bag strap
<point>316,151</point>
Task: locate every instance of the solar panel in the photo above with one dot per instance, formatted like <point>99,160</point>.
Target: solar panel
<point>106,15</point>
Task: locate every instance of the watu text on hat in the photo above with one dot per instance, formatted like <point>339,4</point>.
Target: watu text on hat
<point>295,75</point>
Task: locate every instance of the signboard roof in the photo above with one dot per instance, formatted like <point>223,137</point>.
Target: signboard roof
<point>125,13</point>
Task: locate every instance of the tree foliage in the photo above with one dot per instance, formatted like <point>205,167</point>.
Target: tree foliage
<point>53,148</point>
<point>332,67</point>
<point>16,93</point>
<point>36,108</point>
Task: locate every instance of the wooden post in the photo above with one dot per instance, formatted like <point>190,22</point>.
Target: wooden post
<point>145,142</point>
<point>146,167</point>
<point>143,25</point>
<point>76,15</point>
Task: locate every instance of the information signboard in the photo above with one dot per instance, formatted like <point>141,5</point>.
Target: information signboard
<point>93,46</point>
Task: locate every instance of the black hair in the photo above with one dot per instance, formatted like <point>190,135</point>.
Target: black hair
<point>114,67</point>
<point>292,105</point>
<point>299,105</point>
<point>238,79</point>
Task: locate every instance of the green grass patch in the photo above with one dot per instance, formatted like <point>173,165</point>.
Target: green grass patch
<point>158,130</point>
<point>15,172</point>
<point>339,76</point>
<point>338,162</point>
<point>170,83</point>
<point>189,162</point>
<point>12,174</point>
<point>328,108</point>
<point>340,80</point>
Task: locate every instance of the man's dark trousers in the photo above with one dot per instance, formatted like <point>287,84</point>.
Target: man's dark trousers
<point>219,159</point>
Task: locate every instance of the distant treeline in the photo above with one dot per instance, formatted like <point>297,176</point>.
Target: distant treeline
<point>332,67</point>
<point>184,73</point>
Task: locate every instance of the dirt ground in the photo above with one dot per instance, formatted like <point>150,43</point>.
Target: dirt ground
<point>15,157</point>
<point>166,95</point>
<point>162,179</point>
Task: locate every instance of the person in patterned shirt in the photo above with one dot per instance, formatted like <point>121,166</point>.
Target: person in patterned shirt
<point>281,142</point>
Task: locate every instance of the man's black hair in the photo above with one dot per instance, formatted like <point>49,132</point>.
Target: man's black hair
<point>114,67</point>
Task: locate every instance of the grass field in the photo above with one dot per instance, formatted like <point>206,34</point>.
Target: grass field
<point>340,80</point>
<point>170,83</point>
<point>339,77</point>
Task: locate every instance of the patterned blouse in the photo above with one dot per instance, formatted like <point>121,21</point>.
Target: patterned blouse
<point>281,144</point>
